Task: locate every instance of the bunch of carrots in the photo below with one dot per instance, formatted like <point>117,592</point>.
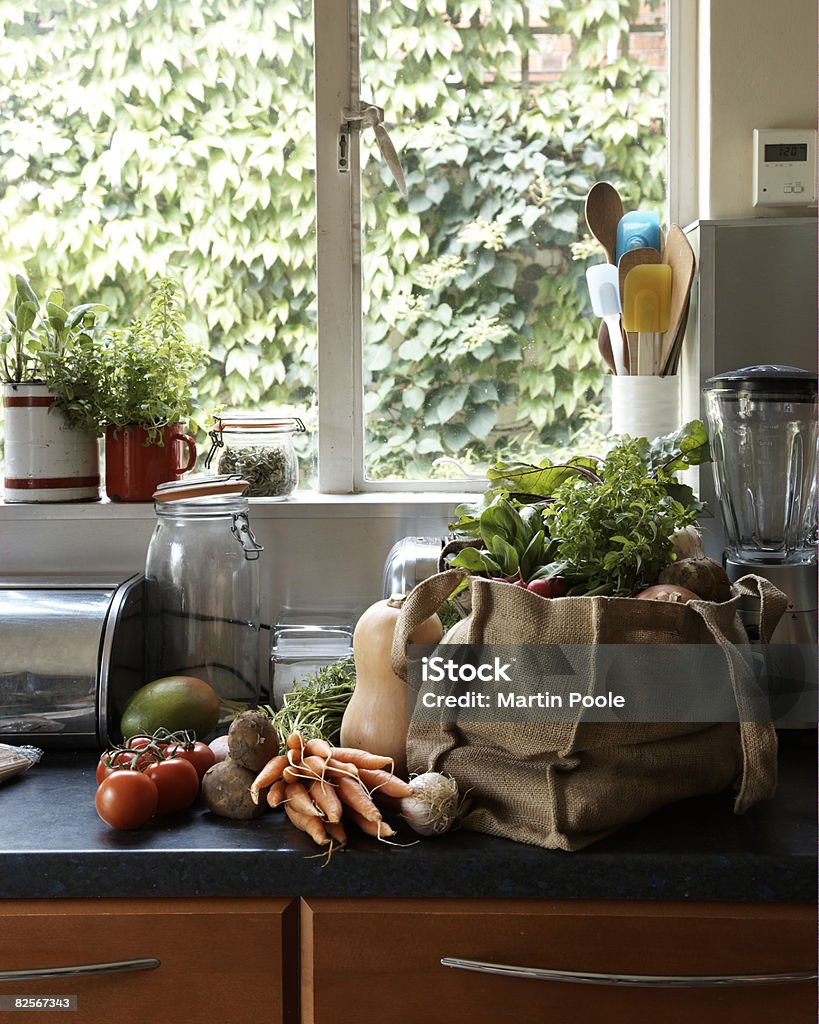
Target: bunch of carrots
<point>318,784</point>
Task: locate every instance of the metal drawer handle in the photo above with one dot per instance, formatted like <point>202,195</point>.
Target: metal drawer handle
<point>37,973</point>
<point>632,980</point>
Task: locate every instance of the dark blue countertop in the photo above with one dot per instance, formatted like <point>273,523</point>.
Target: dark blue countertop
<point>52,844</point>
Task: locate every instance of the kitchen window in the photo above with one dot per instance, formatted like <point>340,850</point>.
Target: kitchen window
<point>140,136</point>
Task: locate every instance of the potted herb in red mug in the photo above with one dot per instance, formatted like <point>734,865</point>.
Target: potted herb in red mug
<point>141,394</point>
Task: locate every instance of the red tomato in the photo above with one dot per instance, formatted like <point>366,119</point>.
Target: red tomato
<point>176,781</point>
<point>200,755</point>
<point>126,799</point>
<point>111,762</point>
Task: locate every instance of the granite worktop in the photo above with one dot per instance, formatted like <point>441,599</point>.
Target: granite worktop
<point>52,844</point>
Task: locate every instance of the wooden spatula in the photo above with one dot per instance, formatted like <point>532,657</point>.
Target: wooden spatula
<point>679,255</point>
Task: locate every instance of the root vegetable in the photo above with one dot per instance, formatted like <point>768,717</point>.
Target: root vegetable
<point>272,772</point>
<point>380,781</point>
<point>433,807</point>
<point>226,791</point>
<point>379,828</point>
<point>252,740</point>
<point>362,758</point>
<point>308,823</point>
<point>687,543</point>
<point>669,593</point>
<point>299,800</point>
<point>277,794</point>
<point>703,576</point>
<point>335,830</point>
<point>319,748</point>
<point>219,746</point>
<point>324,796</point>
<point>353,794</point>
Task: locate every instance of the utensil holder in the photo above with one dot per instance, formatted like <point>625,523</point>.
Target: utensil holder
<point>645,406</point>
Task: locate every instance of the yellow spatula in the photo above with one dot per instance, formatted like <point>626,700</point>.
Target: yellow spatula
<point>647,311</point>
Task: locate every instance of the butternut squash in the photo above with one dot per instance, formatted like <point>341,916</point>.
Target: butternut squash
<point>377,717</point>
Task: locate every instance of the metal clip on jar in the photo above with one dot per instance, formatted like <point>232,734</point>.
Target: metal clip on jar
<point>260,449</point>
<point>202,589</point>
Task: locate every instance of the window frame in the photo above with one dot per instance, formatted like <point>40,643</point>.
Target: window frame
<point>341,468</point>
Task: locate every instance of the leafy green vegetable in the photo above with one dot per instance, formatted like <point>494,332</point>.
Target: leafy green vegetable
<point>605,526</point>
<point>515,544</point>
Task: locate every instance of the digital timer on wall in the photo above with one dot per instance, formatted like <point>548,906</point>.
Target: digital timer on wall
<point>784,167</point>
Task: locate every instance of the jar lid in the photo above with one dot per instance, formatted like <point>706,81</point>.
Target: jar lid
<point>767,377</point>
<point>259,423</point>
<point>201,487</point>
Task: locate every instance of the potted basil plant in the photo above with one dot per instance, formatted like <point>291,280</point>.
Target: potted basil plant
<point>49,457</point>
<point>138,391</point>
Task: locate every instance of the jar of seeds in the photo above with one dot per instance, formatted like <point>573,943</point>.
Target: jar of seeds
<point>260,449</point>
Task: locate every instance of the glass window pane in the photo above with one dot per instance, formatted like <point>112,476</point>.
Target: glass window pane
<point>147,137</point>
<point>480,341</point>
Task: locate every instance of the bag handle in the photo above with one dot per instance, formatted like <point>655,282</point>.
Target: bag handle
<point>422,601</point>
<point>758,739</point>
<point>772,603</point>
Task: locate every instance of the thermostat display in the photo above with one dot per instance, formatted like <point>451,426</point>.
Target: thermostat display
<point>782,151</point>
<point>784,167</point>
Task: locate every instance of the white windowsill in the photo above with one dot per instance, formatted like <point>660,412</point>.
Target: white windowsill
<point>304,505</point>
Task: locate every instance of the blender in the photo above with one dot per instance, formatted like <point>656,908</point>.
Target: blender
<point>763,431</point>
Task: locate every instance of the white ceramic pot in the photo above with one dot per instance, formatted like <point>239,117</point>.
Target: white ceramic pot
<point>645,406</point>
<point>45,458</point>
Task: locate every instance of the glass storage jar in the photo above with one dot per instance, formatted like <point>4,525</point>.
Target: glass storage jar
<point>202,589</point>
<point>259,448</point>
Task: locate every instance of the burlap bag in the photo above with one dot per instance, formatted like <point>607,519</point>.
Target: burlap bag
<point>564,785</point>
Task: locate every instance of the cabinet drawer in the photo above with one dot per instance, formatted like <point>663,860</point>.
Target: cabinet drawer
<point>364,959</point>
<point>219,959</point>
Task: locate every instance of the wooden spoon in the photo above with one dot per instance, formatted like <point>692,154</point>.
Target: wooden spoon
<point>629,260</point>
<point>604,208</point>
<point>604,348</point>
<point>679,255</point>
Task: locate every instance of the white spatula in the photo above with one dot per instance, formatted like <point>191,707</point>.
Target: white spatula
<point>604,291</point>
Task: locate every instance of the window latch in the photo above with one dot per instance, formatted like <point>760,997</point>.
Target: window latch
<point>368,115</point>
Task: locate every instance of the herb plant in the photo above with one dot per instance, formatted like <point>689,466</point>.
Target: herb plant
<point>316,706</point>
<point>21,341</point>
<point>46,342</point>
<point>139,375</point>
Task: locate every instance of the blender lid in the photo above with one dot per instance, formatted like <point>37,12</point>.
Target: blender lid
<point>789,380</point>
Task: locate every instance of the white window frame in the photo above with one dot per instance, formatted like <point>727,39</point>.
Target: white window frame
<point>340,325</point>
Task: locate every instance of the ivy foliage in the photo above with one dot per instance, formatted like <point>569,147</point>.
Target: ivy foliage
<point>151,138</point>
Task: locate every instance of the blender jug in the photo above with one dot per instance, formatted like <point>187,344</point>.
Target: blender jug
<point>763,433</point>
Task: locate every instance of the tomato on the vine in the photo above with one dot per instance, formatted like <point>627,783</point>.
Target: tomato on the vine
<point>198,753</point>
<point>126,799</point>
<point>176,781</point>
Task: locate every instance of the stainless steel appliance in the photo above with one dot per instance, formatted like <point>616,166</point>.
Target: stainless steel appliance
<point>763,431</point>
<point>409,561</point>
<point>71,653</point>
<point>753,302</point>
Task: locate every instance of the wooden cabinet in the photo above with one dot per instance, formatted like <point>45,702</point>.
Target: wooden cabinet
<point>219,959</point>
<point>372,959</point>
<point>237,960</point>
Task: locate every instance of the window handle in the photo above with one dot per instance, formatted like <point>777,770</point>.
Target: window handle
<point>368,115</point>
<point>38,973</point>
<point>632,980</point>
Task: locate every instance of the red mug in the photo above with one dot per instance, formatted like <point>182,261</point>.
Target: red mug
<point>134,468</point>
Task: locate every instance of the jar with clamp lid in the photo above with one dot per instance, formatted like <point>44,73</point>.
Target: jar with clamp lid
<point>202,589</point>
<point>260,449</point>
